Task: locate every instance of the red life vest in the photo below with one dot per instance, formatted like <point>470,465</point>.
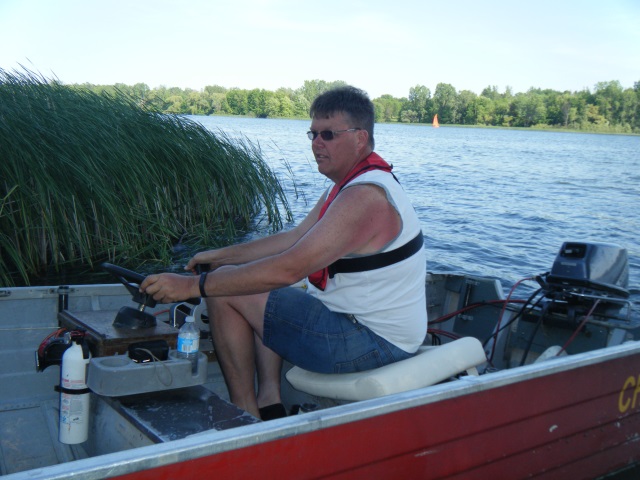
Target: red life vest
<point>371,162</point>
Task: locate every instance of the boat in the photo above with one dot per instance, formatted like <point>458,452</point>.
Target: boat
<point>436,124</point>
<point>542,380</point>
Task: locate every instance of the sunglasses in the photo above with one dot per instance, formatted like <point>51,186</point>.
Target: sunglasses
<point>328,135</point>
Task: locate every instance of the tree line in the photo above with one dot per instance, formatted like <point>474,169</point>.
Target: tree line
<point>608,108</point>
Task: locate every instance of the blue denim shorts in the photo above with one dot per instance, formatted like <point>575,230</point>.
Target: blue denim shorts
<point>303,331</point>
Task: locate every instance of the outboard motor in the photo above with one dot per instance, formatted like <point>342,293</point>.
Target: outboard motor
<point>583,305</point>
<point>585,273</point>
<point>591,268</point>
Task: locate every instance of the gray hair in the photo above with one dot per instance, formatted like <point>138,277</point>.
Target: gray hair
<point>352,102</point>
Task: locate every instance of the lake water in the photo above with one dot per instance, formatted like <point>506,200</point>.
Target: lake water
<point>492,201</point>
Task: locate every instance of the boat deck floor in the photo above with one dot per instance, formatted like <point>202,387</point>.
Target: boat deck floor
<point>29,430</point>
<point>29,437</point>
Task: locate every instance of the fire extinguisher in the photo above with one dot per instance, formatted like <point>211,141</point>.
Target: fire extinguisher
<point>74,394</point>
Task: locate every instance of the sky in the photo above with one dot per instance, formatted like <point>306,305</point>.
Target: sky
<point>382,47</point>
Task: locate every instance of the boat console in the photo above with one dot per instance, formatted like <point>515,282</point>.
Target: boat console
<point>105,339</point>
<point>137,403</point>
<point>139,399</point>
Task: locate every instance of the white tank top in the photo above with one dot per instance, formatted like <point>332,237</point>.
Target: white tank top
<point>391,300</point>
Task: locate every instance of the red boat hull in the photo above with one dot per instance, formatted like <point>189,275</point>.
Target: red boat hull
<point>574,422</point>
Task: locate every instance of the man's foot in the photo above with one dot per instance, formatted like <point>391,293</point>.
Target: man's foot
<point>271,412</point>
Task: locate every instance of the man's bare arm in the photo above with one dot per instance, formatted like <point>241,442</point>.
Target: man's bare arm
<point>243,253</point>
<point>360,220</point>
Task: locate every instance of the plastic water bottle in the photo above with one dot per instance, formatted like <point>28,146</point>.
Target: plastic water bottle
<point>189,342</point>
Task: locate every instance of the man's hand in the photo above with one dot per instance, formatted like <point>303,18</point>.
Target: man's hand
<point>207,258</point>
<point>170,287</point>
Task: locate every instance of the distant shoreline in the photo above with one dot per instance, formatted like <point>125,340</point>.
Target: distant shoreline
<point>548,128</point>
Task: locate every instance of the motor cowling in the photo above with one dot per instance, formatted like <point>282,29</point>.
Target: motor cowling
<point>599,268</point>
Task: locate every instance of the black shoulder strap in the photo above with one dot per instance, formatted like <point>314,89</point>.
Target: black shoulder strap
<point>377,260</point>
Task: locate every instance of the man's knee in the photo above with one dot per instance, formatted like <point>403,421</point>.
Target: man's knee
<point>249,307</point>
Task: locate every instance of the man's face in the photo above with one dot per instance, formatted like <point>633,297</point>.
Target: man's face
<point>337,156</point>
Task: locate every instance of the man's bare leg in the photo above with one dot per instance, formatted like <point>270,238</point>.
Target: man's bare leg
<point>233,321</point>
<point>269,365</point>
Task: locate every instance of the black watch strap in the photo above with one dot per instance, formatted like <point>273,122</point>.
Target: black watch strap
<point>203,278</point>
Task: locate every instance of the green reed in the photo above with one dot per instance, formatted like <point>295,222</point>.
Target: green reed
<point>86,178</point>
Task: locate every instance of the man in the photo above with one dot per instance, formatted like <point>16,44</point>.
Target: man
<point>363,308</point>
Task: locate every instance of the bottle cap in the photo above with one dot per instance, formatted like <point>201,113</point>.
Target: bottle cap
<point>190,319</point>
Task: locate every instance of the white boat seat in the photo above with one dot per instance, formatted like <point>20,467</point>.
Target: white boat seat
<point>430,366</point>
